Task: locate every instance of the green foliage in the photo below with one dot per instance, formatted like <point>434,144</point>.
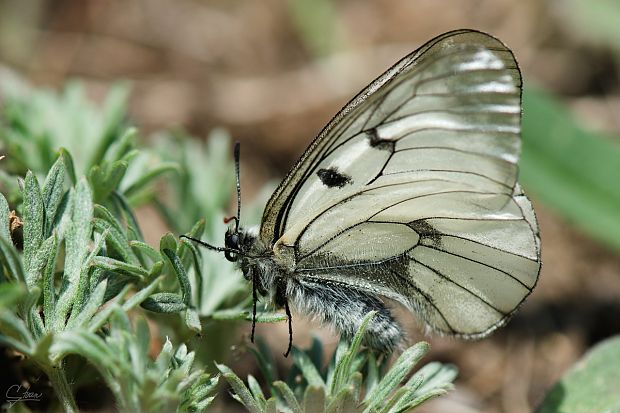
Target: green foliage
<point>39,123</point>
<point>570,169</point>
<point>67,291</point>
<point>39,126</point>
<point>353,381</point>
<point>79,263</point>
<point>591,385</point>
<point>84,267</point>
<point>138,383</point>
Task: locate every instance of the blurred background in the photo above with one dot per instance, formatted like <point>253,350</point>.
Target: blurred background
<point>273,72</point>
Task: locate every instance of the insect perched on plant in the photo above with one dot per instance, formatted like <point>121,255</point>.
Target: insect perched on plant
<point>409,193</point>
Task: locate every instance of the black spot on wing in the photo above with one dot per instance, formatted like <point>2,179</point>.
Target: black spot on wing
<point>378,143</point>
<point>425,230</point>
<point>332,178</point>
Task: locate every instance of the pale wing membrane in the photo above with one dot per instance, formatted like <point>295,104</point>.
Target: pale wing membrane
<point>411,193</point>
<point>371,106</point>
<point>485,104</point>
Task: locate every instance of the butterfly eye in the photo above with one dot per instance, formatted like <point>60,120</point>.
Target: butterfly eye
<point>232,241</point>
<point>230,256</point>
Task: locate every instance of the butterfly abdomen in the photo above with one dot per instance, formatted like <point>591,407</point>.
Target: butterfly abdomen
<point>343,309</point>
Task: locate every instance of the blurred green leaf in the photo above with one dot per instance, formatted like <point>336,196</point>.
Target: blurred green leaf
<point>105,178</point>
<point>5,214</point>
<point>591,385</point>
<point>570,169</point>
<point>597,21</point>
<point>38,124</point>
<point>317,24</point>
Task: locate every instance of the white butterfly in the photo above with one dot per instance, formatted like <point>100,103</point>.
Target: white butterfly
<point>410,193</point>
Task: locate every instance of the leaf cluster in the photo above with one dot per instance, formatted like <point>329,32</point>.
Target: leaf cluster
<point>354,380</point>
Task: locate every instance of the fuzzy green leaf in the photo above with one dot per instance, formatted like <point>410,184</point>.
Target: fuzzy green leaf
<point>133,227</point>
<point>105,179</point>
<point>164,303</point>
<point>288,395</point>
<point>110,264</point>
<point>95,300</point>
<point>401,368</point>
<point>30,308</point>
<point>67,161</point>
<point>116,240</point>
<point>76,249</point>
<point>85,344</point>
<point>343,369</point>
<point>49,291</point>
<point>192,320</point>
<point>307,368</point>
<point>11,261</point>
<point>343,401</point>
<point>261,317</point>
<point>53,190</point>
<point>433,375</point>
<point>4,219</point>
<point>271,405</point>
<point>86,281</point>
<point>103,213</point>
<point>102,316</point>
<point>239,388</point>
<point>34,221</point>
<point>314,399</point>
<point>176,265</point>
<point>257,392</point>
<point>405,407</point>
<point>146,249</point>
<point>14,327</point>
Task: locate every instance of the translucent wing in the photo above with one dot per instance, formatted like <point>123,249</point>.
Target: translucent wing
<point>410,191</point>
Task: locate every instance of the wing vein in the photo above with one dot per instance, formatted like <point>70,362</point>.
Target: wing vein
<point>445,277</point>
<point>478,262</point>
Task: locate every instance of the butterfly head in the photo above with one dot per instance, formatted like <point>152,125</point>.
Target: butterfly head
<point>232,241</point>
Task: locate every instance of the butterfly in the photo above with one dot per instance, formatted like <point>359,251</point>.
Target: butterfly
<point>409,194</point>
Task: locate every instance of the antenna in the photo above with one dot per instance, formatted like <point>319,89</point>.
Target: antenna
<point>212,247</point>
<point>237,162</point>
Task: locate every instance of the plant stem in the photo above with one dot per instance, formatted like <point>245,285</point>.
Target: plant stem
<point>62,389</point>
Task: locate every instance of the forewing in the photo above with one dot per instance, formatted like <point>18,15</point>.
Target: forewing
<point>410,191</point>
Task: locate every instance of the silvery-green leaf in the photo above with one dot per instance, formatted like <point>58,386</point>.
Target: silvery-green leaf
<point>53,191</point>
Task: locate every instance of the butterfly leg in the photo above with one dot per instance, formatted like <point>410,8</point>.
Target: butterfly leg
<point>281,300</point>
<point>254,300</point>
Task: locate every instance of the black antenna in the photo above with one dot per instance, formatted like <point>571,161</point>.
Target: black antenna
<point>237,157</point>
<point>212,247</point>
